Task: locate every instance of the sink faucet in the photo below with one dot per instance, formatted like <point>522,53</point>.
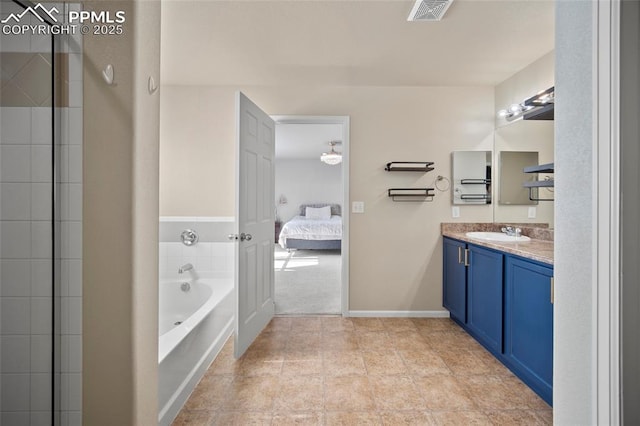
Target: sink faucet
<point>184,268</point>
<point>510,230</point>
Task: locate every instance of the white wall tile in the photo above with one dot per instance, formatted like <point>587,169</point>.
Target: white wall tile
<point>15,354</point>
<point>71,240</point>
<point>74,211</point>
<point>75,67</point>
<point>75,92</point>
<point>75,163</point>
<point>220,263</point>
<point>75,391</point>
<point>41,126</point>
<point>41,278</point>
<point>163,250</point>
<point>63,191</point>
<point>41,122</point>
<point>63,163</point>
<point>74,277</point>
<point>15,201</point>
<point>14,391</point>
<point>41,353</point>
<point>15,276</point>
<point>15,315</point>
<point>74,355</point>
<point>40,418</point>
<point>174,250</point>
<point>71,315</point>
<point>15,240</point>
<point>41,238</point>
<point>41,202</point>
<point>41,163</point>
<point>74,418</point>
<point>205,264</point>
<point>15,163</point>
<point>41,310</point>
<point>14,418</point>
<point>15,123</point>
<point>40,391</point>
<point>71,391</point>
<point>39,43</point>
<point>204,249</point>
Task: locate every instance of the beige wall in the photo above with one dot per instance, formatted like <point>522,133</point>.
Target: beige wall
<point>120,213</point>
<point>395,251</point>
<point>525,135</point>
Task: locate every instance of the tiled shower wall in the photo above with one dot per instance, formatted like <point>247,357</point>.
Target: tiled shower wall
<point>26,264</point>
<point>212,256</point>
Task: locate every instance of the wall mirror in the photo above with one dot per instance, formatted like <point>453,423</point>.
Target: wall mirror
<point>511,177</point>
<point>471,177</point>
<point>524,136</point>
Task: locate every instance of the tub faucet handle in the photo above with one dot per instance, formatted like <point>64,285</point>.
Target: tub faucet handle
<point>184,268</point>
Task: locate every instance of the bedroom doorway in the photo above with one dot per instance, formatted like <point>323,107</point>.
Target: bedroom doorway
<point>311,204</point>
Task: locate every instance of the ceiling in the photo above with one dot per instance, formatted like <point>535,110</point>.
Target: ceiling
<point>350,42</point>
<point>306,141</point>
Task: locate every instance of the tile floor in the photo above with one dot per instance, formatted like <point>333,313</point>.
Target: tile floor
<point>362,371</point>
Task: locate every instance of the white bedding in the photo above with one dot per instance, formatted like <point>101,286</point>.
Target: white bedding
<point>301,228</point>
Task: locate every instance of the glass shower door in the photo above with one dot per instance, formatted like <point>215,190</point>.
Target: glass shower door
<point>29,330</point>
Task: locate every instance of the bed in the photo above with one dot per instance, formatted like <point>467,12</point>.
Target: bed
<point>316,227</point>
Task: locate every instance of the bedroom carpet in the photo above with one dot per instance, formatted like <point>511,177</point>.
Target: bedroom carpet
<point>307,281</point>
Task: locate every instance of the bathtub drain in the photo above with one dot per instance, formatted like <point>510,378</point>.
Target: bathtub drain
<point>177,323</point>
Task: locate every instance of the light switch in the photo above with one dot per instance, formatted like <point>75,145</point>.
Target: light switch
<point>455,211</point>
<point>532,213</point>
<point>357,207</point>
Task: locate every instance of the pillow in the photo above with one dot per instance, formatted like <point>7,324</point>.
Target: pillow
<point>322,213</point>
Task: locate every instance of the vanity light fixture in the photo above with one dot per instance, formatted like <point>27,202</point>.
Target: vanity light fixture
<point>332,157</point>
<point>540,103</point>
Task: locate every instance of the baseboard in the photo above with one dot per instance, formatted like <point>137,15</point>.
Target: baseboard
<point>400,314</point>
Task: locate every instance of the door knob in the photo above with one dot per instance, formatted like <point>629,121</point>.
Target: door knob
<point>245,237</point>
<point>232,237</point>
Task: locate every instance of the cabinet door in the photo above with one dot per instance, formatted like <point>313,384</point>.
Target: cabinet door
<point>454,279</point>
<point>484,304</point>
<point>529,323</point>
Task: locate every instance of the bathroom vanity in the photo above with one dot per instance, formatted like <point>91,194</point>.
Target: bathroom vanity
<point>501,293</point>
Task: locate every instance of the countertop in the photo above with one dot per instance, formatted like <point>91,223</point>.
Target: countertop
<point>539,248</point>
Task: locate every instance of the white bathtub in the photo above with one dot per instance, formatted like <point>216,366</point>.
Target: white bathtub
<point>204,315</point>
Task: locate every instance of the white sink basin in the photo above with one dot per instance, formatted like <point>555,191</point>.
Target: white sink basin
<point>497,237</point>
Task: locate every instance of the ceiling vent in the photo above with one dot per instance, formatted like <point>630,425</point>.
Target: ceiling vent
<point>429,10</point>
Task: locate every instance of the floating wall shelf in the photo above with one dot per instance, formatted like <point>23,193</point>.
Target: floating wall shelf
<point>548,183</point>
<point>411,194</point>
<point>542,168</point>
<point>409,166</point>
<point>475,181</point>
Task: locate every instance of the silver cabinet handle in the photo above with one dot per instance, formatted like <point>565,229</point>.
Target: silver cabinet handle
<point>459,254</point>
<point>232,237</point>
<point>245,237</point>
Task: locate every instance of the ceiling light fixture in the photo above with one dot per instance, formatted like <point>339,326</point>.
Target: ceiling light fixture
<point>332,157</point>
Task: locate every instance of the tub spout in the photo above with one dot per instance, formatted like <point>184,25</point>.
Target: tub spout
<point>184,268</point>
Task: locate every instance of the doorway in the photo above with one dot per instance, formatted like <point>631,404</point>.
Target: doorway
<point>311,204</point>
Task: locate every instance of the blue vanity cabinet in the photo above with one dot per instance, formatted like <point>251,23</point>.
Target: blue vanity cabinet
<point>529,323</point>
<point>454,279</point>
<point>484,296</point>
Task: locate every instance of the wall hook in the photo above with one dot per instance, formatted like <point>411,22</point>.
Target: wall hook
<point>152,86</point>
<point>107,74</point>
